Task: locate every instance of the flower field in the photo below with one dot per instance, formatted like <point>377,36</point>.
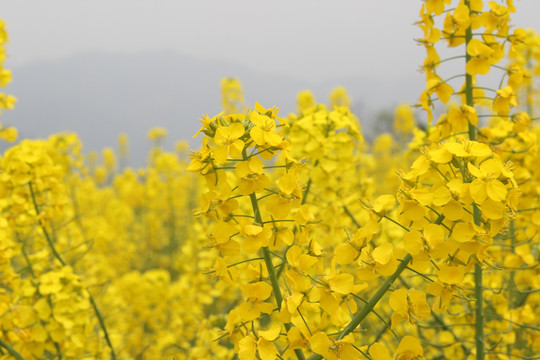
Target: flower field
<point>290,236</point>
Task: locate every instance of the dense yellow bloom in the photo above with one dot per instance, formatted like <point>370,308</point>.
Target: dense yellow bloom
<point>306,240</point>
<point>409,305</point>
<point>264,130</point>
<point>341,349</point>
<point>251,176</point>
<point>7,102</point>
<point>227,137</point>
<point>504,99</point>
<point>409,349</point>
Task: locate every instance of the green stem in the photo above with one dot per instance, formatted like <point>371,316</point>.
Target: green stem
<point>511,283</point>
<point>530,91</point>
<point>478,290</point>
<point>351,216</point>
<point>45,232</point>
<point>59,258</point>
<point>468,79</point>
<point>308,186</point>
<point>368,307</point>
<point>306,191</point>
<point>271,270</point>
<point>11,350</point>
<point>479,309</point>
<point>102,324</point>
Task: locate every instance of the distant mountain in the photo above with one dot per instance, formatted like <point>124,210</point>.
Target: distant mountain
<point>99,95</point>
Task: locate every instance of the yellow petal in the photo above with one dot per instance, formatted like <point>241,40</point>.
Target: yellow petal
<point>341,283</point>
<point>257,134</point>
<point>413,242</point>
<point>412,211</point>
<point>383,203</point>
<point>411,345</point>
<point>236,130</point>
<point>267,350</point>
<point>247,348</point>
<point>441,156</point>
<point>474,170</point>
<point>441,196</point>
<point>320,343</point>
<point>259,290</point>
<point>345,254</point>
<point>272,138</point>
<point>493,209</point>
<point>456,149</point>
<point>434,234</point>
<point>383,254</point>
<point>463,232</point>
<point>478,149</point>
<point>256,165</point>
<point>398,301</point>
<point>378,351</point>
<point>496,190</point>
<point>451,274</point>
<point>475,47</point>
<point>478,190</point>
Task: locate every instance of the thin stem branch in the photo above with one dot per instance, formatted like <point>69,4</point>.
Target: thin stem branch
<point>11,350</point>
<point>59,258</point>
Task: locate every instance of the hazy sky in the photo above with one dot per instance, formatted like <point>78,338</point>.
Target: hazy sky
<point>308,39</point>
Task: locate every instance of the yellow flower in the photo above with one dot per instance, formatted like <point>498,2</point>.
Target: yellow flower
<point>200,160</point>
<point>157,134</point>
<point>289,196</point>
<point>404,121</point>
<point>486,183</point>
<point>253,307</point>
<point>378,351</point>
<point>5,77</point>
<point>247,348</point>
<point>250,176</point>
<point>409,349</point>
<point>339,97</point>
<point>227,137</point>
<point>256,237</point>
<point>504,99</point>
<point>443,90</point>
<point>334,350</point>
<point>373,264</point>
<point>305,100</point>
<point>7,102</point>
<point>409,305</point>
<point>232,95</point>
<point>206,127</point>
<point>481,57</point>
<point>218,200</point>
<point>9,134</point>
<point>264,130</point>
<point>436,6</point>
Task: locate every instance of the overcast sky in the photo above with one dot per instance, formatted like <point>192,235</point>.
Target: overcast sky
<point>308,39</point>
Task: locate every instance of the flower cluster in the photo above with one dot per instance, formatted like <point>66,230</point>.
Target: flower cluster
<point>6,101</point>
<point>292,237</point>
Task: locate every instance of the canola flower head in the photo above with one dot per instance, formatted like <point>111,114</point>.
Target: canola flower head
<point>305,243</point>
<point>7,102</point>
